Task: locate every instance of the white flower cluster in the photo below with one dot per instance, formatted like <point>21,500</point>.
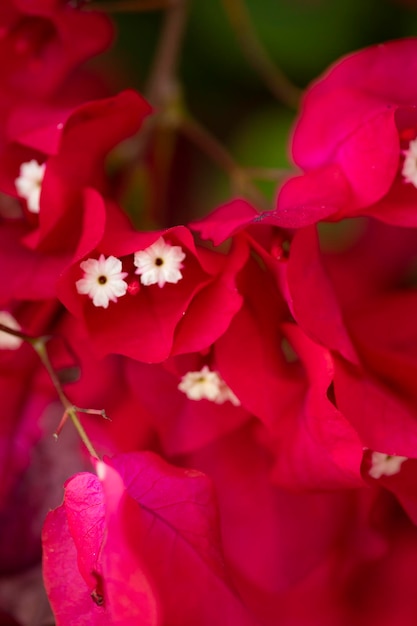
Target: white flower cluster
<point>385,464</point>
<point>103,279</point>
<point>160,263</point>
<point>409,170</point>
<point>207,385</point>
<point>29,183</point>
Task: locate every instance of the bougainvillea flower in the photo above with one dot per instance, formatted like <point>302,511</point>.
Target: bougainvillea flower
<point>356,304</point>
<point>140,542</point>
<point>151,323</point>
<point>225,221</point>
<point>352,140</point>
<point>397,474</point>
<point>283,547</point>
<point>43,41</point>
<point>103,280</point>
<point>185,420</point>
<point>266,383</point>
<point>33,274</point>
<point>314,445</point>
<point>293,402</point>
<point>72,146</point>
<point>29,183</point>
<point>159,264</point>
<point>312,299</point>
<point>88,545</point>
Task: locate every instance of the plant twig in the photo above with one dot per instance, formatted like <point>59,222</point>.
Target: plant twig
<point>210,145</point>
<point>162,81</point>
<point>133,6</point>
<point>39,345</point>
<point>257,55</point>
<point>269,173</point>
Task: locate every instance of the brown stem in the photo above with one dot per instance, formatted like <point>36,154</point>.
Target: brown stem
<point>133,6</point>
<point>269,173</point>
<point>210,145</point>
<point>257,55</point>
<point>17,333</point>
<point>163,77</point>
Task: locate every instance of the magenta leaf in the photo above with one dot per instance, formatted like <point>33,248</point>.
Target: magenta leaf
<point>180,542</point>
<point>92,575</point>
<point>139,546</point>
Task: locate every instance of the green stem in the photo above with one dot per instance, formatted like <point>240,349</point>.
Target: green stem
<point>39,345</point>
<point>70,410</point>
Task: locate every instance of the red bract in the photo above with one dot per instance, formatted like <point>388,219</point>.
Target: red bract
<point>315,446</point>
<point>379,396</point>
<point>312,299</point>
<point>225,221</point>
<point>149,322</point>
<point>284,548</point>
<point>42,41</point>
<point>357,305</point>
<point>88,559</point>
<point>143,546</point>
<point>73,144</point>
<point>182,423</point>
<point>356,123</point>
<point>266,383</point>
<point>26,274</point>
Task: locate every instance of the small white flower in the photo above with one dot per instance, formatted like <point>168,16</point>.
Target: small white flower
<point>103,280</point>
<point>9,342</point>
<point>385,464</point>
<point>207,385</point>
<point>226,394</point>
<point>29,183</point>
<point>409,170</point>
<point>160,263</point>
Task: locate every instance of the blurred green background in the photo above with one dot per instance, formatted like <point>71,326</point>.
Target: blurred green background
<point>221,89</point>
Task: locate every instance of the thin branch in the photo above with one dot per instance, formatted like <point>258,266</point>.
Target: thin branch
<point>133,6</point>
<point>162,89</point>
<point>269,173</point>
<point>17,333</point>
<point>163,76</point>
<point>210,145</point>
<point>257,55</point>
<point>39,345</point>
<point>70,410</point>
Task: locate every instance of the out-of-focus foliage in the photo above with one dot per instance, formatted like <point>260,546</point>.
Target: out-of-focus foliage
<point>303,37</point>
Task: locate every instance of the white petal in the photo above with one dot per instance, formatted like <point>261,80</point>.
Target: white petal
<point>208,385</point>
<point>151,271</point>
<point>385,464</point>
<point>102,293</point>
<point>29,183</point>
<point>7,341</point>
